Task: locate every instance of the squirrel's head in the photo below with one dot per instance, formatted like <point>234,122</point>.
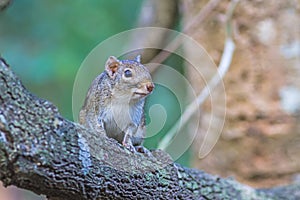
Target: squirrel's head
<point>132,79</point>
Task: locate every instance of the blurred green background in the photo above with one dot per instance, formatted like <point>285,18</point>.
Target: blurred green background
<point>46,41</point>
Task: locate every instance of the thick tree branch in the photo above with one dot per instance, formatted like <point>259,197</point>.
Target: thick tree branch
<point>47,154</point>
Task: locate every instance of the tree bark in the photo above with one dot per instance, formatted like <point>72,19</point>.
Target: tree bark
<point>47,154</point>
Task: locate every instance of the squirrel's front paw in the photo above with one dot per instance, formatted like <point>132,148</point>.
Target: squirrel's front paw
<point>130,147</point>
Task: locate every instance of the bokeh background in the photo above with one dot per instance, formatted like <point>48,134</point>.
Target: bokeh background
<point>45,43</point>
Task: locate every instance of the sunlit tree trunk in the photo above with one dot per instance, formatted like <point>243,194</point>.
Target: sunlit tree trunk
<point>259,144</point>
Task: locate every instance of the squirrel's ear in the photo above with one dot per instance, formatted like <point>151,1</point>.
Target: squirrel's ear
<point>138,58</point>
<point>111,66</point>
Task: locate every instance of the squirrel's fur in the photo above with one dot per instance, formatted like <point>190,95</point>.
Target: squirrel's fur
<point>115,101</point>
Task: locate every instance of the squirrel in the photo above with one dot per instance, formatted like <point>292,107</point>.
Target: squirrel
<point>115,102</point>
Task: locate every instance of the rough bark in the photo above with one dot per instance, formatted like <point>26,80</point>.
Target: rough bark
<point>47,154</point>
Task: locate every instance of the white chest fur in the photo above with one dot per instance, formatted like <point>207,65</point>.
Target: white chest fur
<point>122,114</point>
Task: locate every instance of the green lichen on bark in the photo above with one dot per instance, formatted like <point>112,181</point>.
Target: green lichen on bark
<point>47,154</point>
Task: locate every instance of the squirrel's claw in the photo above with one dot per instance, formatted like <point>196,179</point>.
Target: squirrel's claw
<point>130,147</point>
<point>137,149</point>
<point>143,150</point>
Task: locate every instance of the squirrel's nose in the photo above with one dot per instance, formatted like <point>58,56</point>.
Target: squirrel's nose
<point>150,87</point>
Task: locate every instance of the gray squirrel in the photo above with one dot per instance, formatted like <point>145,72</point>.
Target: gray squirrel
<point>115,102</point>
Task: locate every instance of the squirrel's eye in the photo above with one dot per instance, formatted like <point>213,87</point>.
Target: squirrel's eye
<point>128,73</point>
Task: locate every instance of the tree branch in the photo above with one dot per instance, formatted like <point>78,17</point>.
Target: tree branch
<point>154,13</point>
<point>47,154</point>
<point>223,67</point>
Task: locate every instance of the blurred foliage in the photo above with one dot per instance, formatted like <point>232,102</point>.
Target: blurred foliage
<point>46,41</point>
